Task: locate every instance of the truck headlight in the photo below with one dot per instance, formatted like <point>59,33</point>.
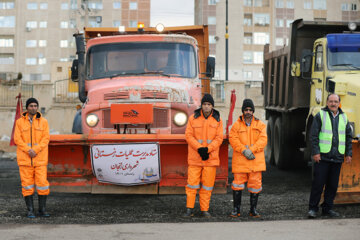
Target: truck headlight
<point>92,120</point>
<point>180,119</point>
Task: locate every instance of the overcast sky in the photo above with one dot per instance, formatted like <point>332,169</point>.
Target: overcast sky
<point>172,12</point>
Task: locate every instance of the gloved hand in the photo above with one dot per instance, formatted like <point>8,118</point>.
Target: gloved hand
<point>248,154</point>
<point>203,151</point>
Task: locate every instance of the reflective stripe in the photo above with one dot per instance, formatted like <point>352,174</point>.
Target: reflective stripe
<point>29,144</point>
<point>255,190</point>
<point>344,118</point>
<point>324,141</point>
<point>207,188</point>
<point>35,144</point>
<point>324,115</point>
<point>342,143</point>
<point>29,187</point>
<point>208,141</point>
<point>342,132</point>
<point>42,188</point>
<point>238,185</point>
<point>200,141</point>
<point>193,186</point>
<point>327,131</point>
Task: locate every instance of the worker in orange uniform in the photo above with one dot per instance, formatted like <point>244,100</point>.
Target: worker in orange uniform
<point>32,139</point>
<point>248,140</point>
<point>204,135</point>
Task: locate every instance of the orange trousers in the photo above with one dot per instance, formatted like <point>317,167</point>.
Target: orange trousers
<point>197,175</point>
<point>32,177</point>
<point>253,179</point>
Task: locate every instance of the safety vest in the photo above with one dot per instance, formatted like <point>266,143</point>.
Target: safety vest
<point>326,133</point>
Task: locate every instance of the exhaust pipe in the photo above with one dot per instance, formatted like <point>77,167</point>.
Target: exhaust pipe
<point>80,51</point>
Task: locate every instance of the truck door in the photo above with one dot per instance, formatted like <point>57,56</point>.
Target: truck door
<point>317,86</point>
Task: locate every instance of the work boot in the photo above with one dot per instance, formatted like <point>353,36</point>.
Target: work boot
<point>330,213</point>
<point>30,206</point>
<point>253,203</point>
<point>42,205</point>
<point>205,214</point>
<point>312,214</point>
<point>237,203</point>
<point>188,213</point>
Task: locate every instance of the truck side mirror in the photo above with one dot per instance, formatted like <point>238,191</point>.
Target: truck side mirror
<point>75,71</point>
<point>210,67</point>
<point>306,58</point>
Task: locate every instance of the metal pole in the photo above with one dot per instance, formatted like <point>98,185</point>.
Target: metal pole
<point>226,45</point>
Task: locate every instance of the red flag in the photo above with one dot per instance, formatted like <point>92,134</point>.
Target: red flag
<point>19,108</point>
<point>232,106</point>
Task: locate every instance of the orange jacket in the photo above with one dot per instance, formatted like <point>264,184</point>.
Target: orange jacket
<point>32,136</point>
<point>202,132</point>
<point>253,136</point>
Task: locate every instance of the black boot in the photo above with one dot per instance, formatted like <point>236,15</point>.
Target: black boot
<point>253,203</point>
<point>30,206</point>
<point>188,213</point>
<point>237,203</point>
<point>42,205</point>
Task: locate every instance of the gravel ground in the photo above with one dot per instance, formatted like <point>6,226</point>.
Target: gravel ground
<point>284,197</point>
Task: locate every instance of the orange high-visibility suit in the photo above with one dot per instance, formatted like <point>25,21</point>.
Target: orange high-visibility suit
<point>35,136</point>
<point>244,170</point>
<point>202,132</point>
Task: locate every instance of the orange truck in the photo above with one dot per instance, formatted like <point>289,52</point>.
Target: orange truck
<point>138,87</point>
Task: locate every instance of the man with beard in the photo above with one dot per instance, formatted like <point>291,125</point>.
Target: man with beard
<point>248,140</point>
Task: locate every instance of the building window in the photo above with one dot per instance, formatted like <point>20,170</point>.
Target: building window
<point>248,3</point>
<point>7,5</point>
<point>43,24</point>
<point>42,43</point>
<point>95,5</point>
<point>116,23</point>
<point>261,19</point>
<point>212,2</point>
<point>35,76</point>
<point>30,61</point>
<point>290,4</point>
<point>247,57</point>
<point>64,24</point>
<point>279,23</point>
<point>261,38</point>
<point>133,6</point>
<point>42,61</point>
<point>212,39</point>
<point>320,4</point>
<point>258,58</point>
<point>31,43</point>
<point>247,74</point>
<point>117,5</point>
<point>95,21</point>
<point>220,91</point>
<point>279,3</point>
<point>64,43</point>
<point>288,23</point>
<point>72,23</point>
<point>307,4</point>
<point>211,20</point>
<point>6,58</point>
<point>132,23</point>
<point>64,60</point>
<point>279,42</point>
<point>73,4</point>
<point>64,6</point>
<point>7,21</point>
<point>6,41</point>
<point>258,3</point>
<point>247,19</point>
<point>32,6</point>
<point>43,6</point>
<point>353,7</point>
<point>31,24</point>
<point>344,7</point>
<point>247,38</point>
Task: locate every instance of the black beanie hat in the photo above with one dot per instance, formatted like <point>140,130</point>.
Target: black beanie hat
<point>248,103</point>
<point>31,100</point>
<point>207,98</point>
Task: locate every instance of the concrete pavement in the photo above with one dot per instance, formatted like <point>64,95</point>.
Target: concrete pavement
<point>344,229</point>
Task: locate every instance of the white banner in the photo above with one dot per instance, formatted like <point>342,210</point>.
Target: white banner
<point>126,164</point>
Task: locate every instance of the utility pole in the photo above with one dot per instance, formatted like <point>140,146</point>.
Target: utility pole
<point>226,45</point>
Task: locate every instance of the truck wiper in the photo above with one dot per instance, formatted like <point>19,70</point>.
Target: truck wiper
<point>141,73</point>
<point>155,72</point>
<point>346,64</point>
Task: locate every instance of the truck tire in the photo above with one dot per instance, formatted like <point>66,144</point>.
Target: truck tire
<point>280,146</point>
<point>269,150</point>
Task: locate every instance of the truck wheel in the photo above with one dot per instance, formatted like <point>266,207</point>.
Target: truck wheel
<point>269,150</point>
<point>280,148</point>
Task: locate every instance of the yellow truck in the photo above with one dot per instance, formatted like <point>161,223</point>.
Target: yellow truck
<point>321,58</point>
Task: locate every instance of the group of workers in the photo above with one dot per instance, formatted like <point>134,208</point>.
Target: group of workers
<point>330,139</point>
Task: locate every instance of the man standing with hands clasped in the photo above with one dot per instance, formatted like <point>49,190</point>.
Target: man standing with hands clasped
<point>330,141</point>
<point>248,140</point>
<point>32,139</point>
<point>204,135</point>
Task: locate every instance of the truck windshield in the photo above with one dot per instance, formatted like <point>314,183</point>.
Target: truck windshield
<point>342,60</point>
<point>158,58</point>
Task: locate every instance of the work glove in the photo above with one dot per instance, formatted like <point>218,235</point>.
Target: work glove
<point>203,151</point>
<point>248,154</point>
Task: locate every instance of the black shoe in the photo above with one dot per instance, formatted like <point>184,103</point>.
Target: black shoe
<point>30,206</point>
<point>312,214</point>
<point>331,213</point>
<point>253,203</point>
<point>235,212</point>
<point>205,214</point>
<point>42,205</point>
<point>237,203</point>
<point>188,213</point>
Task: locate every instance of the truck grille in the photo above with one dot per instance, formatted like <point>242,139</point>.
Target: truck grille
<point>153,95</point>
<point>160,119</point>
<point>116,95</point>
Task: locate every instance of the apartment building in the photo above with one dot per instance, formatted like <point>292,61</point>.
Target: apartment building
<point>36,33</point>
